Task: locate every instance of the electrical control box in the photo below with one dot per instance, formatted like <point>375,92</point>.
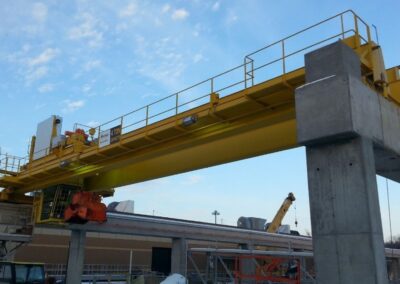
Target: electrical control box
<point>46,131</point>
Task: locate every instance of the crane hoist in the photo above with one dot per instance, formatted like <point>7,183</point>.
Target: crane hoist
<point>277,221</point>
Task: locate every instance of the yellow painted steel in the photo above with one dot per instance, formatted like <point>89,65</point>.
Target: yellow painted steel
<point>393,75</point>
<point>254,120</point>
<point>280,214</point>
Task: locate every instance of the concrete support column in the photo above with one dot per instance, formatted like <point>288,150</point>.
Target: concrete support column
<point>247,266</point>
<point>394,270</point>
<point>339,120</point>
<point>179,256</point>
<point>76,256</point>
<point>345,215</point>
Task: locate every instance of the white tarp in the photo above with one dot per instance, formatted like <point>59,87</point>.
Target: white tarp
<point>174,279</point>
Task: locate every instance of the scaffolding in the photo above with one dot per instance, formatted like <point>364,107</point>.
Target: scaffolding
<point>249,266</point>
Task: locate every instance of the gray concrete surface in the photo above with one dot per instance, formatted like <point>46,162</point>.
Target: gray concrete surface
<point>334,59</point>
<point>178,256</point>
<point>337,108</point>
<point>343,124</point>
<point>394,270</point>
<point>76,256</point>
<point>248,266</point>
<point>338,105</point>
<point>345,214</point>
<point>172,228</point>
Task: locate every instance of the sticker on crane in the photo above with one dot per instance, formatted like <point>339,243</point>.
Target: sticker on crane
<point>115,134</point>
<point>110,136</point>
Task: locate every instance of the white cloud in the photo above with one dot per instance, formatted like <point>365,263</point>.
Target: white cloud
<point>86,88</point>
<point>232,18</point>
<point>93,123</point>
<point>92,64</point>
<point>87,30</point>
<point>179,14</point>
<point>71,106</point>
<point>26,47</point>
<point>46,88</point>
<point>192,180</point>
<point>39,12</point>
<point>39,106</point>
<point>161,60</point>
<point>43,58</point>
<point>128,11</point>
<point>216,6</point>
<point>36,74</point>
<point>165,8</point>
<point>197,57</point>
<point>156,185</point>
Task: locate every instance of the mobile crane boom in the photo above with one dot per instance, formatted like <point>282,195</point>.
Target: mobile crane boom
<point>276,222</point>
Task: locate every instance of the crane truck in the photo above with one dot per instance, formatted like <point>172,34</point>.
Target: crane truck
<point>277,221</point>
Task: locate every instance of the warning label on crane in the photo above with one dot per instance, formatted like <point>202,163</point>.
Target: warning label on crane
<point>110,136</point>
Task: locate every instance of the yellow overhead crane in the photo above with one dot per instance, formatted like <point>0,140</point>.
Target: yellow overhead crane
<point>244,112</point>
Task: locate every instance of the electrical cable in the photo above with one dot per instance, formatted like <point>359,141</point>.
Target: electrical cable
<point>390,217</point>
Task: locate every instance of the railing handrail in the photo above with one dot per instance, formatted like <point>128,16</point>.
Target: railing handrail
<point>249,71</point>
<point>302,31</point>
<point>241,65</point>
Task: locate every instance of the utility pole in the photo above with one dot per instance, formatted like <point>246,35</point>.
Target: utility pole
<point>215,213</point>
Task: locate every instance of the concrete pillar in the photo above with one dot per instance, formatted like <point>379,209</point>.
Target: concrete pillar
<point>247,266</point>
<point>345,215</point>
<point>179,256</point>
<point>339,121</point>
<point>394,270</point>
<point>76,256</point>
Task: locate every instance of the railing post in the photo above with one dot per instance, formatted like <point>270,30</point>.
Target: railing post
<point>245,72</point>
<point>212,85</point>
<point>357,31</point>
<point>98,138</point>
<point>147,115</point>
<point>283,57</point>
<point>252,72</point>
<point>342,24</point>
<point>368,34</point>
<point>176,103</point>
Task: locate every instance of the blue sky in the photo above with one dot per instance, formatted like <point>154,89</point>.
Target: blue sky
<point>90,61</point>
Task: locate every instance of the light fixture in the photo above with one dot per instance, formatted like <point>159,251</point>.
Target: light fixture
<point>64,164</point>
<point>189,120</point>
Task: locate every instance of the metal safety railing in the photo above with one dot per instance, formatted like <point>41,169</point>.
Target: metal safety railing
<point>106,273</point>
<point>268,62</point>
<point>91,269</point>
<point>348,23</point>
<point>10,165</point>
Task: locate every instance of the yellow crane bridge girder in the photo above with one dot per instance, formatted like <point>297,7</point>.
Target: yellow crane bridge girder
<point>254,120</point>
